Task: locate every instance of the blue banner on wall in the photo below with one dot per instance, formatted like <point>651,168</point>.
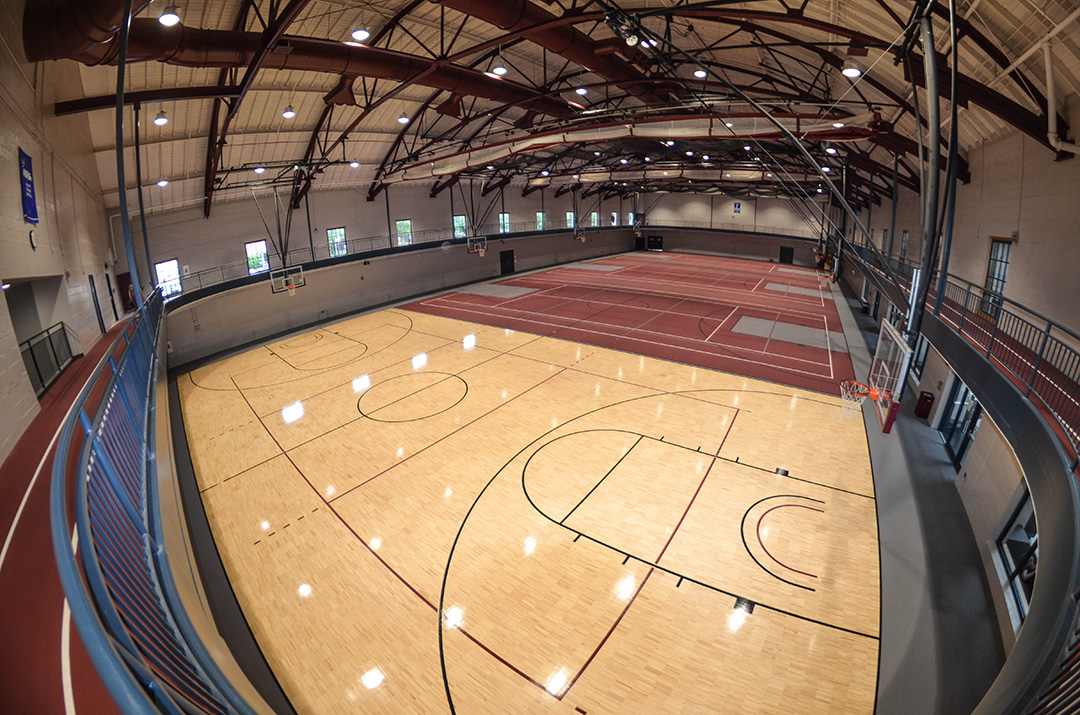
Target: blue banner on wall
<point>26,180</point>
<point>738,207</point>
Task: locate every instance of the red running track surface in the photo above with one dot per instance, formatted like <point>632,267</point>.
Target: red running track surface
<point>677,307</point>
<point>31,598</point>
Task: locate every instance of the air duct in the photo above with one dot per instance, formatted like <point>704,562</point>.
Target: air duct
<point>54,29</point>
<point>191,47</point>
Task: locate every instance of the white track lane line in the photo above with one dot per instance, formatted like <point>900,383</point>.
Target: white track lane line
<point>65,646</point>
<point>30,487</point>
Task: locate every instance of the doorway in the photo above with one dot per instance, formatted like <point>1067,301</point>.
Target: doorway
<point>506,261</point>
<point>97,305</point>
<point>787,254</point>
<point>962,417</point>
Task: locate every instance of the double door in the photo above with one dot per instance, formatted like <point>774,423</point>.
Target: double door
<point>961,421</point>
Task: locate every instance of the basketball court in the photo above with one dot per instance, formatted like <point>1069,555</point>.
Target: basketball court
<point>420,513</point>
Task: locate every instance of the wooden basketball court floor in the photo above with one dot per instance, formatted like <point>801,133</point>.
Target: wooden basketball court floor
<point>421,514</point>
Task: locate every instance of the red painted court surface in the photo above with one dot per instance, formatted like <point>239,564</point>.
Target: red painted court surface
<point>764,320</point>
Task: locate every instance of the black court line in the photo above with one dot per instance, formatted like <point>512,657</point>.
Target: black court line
<point>595,486</point>
<point>448,376</point>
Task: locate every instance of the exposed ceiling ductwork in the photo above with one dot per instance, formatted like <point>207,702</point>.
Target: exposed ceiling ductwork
<point>190,47</point>
<point>565,40</point>
<point>58,29</point>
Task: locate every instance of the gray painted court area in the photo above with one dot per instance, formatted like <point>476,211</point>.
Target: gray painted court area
<point>495,290</point>
<point>790,333</point>
<point>796,290</point>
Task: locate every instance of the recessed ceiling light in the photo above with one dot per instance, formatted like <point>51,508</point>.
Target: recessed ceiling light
<point>289,112</point>
<point>670,142</point>
<point>582,91</point>
<point>830,150</point>
<point>499,70</point>
<point>689,153</point>
<point>163,182</point>
<point>704,157</point>
<point>727,175</point>
<point>161,120</point>
<point>838,125</point>
<point>746,147</point>
<point>403,119</point>
<point>769,175</point>
<point>596,153</point>
<point>354,164</point>
<point>820,190</point>
<point>826,169</point>
<point>4,286</point>
<point>701,74</point>
<point>728,124</point>
<point>360,34</point>
<point>577,176</point>
<point>170,16</point>
<point>259,169</point>
<point>545,172</point>
<point>490,167</point>
<point>624,161</point>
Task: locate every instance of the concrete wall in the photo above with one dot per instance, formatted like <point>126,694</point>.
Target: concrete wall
<point>719,211</point>
<point>720,243</point>
<point>988,482</point>
<point>1016,186</point>
<point>72,234</point>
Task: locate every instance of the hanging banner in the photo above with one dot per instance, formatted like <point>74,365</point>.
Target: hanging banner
<point>26,180</point>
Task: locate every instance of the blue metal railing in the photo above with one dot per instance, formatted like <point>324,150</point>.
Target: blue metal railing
<point>138,638</point>
<point>1042,354</point>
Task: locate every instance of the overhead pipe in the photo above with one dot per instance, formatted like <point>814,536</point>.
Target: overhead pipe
<point>54,29</point>
<point>564,40</point>
<point>193,47</point>
<point>1051,106</point>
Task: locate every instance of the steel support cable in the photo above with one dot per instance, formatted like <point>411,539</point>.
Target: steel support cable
<point>121,182</point>
<point>949,215</point>
<point>657,41</point>
<point>142,209</point>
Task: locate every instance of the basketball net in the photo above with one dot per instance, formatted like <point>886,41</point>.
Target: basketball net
<point>481,251</point>
<point>853,393</point>
<point>291,288</point>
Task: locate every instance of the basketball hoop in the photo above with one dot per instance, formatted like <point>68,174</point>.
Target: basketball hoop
<point>853,393</point>
<point>482,250</point>
<point>291,287</point>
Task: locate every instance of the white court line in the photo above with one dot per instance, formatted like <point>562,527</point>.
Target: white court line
<point>65,644</point>
<point>30,487</point>
<point>668,335</point>
<point>580,321</point>
<point>709,339</point>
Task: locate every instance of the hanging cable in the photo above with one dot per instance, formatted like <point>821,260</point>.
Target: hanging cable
<point>121,182</point>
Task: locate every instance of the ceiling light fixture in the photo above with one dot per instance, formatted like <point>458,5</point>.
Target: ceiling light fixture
<point>490,167</point>
<point>163,183</point>
<point>820,190</point>
<point>851,69</point>
<point>289,112</point>
<point>161,120</point>
<point>704,157</point>
<point>581,91</point>
<point>826,169</point>
<point>631,40</point>
<point>701,74</point>
<point>259,169</point>
<point>403,119</point>
<point>360,34</point>
<point>5,285</point>
<point>670,142</point>
<point>728,124</point>
<point>838,125</point>
<point>830,150</point>
<point>596,153</point>
<point>354,164</point>
<point>648,159</point>
<point>689,153</point>
<point>170,16</point>
<point>624,161</point>
<point>545,172</point>
<point>746,147</point>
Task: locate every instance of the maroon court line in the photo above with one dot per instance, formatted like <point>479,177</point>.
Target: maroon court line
<point>767,552</point>
<point>643,581</point>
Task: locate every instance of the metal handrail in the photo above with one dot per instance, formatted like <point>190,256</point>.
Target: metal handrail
<point>44,376</point>
<point>1043,356</point>
<point>365,244</point>
<point>132,630</point>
